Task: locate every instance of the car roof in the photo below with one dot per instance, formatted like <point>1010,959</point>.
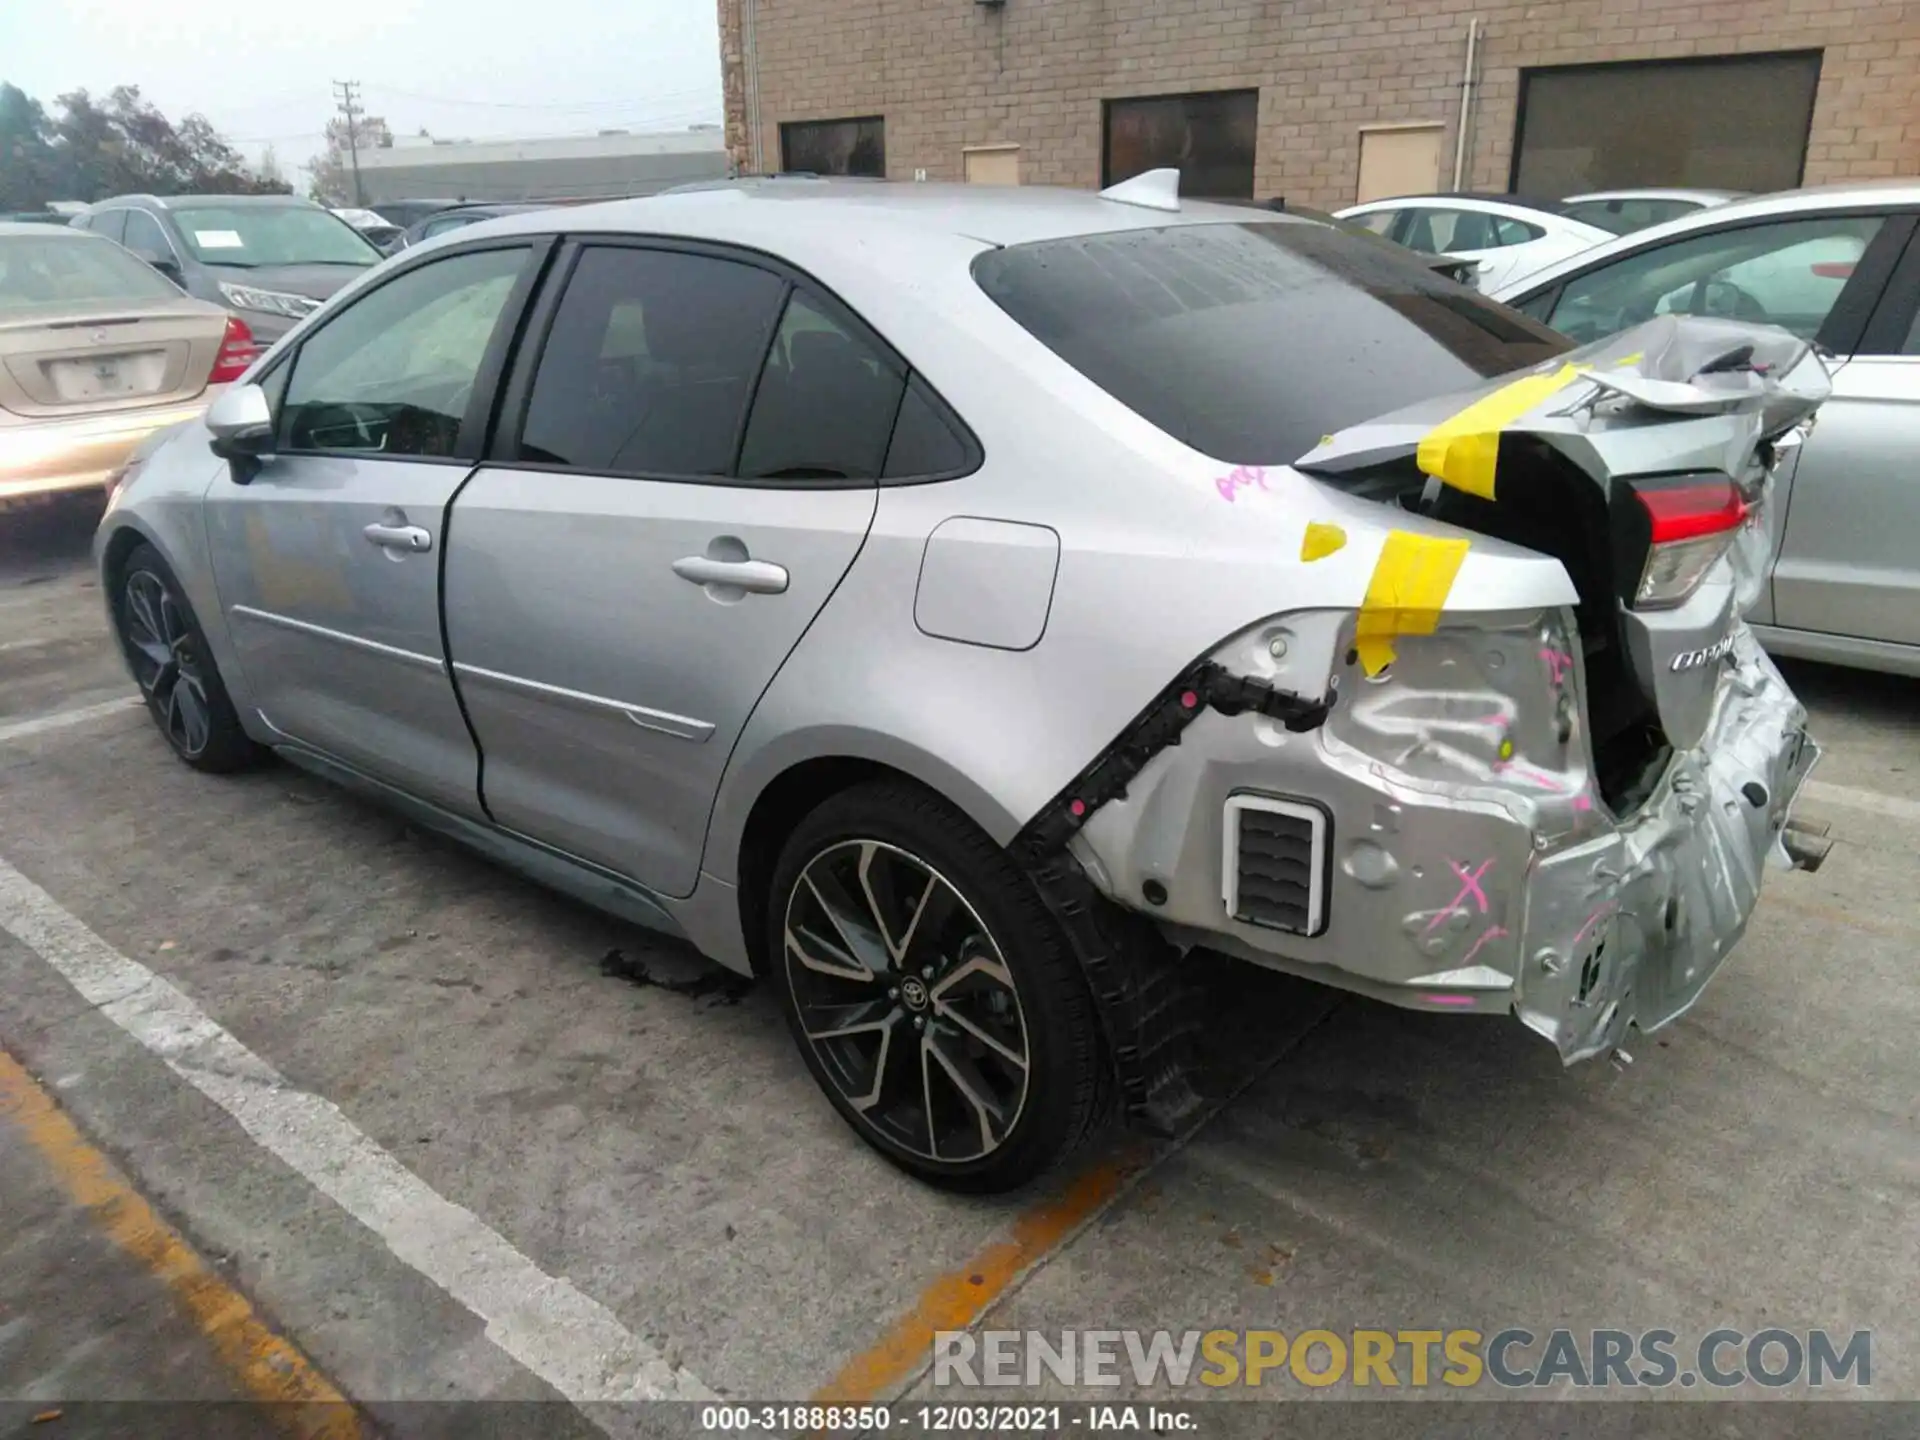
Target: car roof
<point>1811,200</point>
<point>35,227</point>
<point>174,202</point>
<point>756,210</point>
<point>1478,197</point>
<point>1658,192</point>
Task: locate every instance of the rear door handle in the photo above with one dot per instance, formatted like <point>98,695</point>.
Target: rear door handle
<point>410,538</point>
<point>760,577</point>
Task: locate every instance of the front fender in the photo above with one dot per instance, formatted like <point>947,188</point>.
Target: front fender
<point>162,503</point>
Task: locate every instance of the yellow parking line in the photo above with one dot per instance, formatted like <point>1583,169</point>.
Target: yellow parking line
<point>956,1299</point>
<point>267,1367</point>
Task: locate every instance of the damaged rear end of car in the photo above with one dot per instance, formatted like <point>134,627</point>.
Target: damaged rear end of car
<point>1485,731</point>
<point>1463,793</point>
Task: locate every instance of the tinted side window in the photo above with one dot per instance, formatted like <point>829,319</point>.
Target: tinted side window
<point>1789,273</point>
<point>441,227</point>
<point>649,363</point>
<point>1514,232</point>
<point>393,371</point>
<point>1440,232</point>
<point>923,442</point>
<point>825,405</point>
<point>1378,221</point>
<point>110,223</point>
<point>145,237</point>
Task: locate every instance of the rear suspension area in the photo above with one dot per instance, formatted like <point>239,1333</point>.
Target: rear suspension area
<point>1147,1004</point>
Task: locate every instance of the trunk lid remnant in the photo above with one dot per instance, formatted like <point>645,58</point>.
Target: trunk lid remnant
<point>1639,462</point>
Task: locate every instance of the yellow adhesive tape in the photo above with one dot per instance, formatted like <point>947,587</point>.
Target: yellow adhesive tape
<point>1321,540</point>
<point>1408,589</point>
<point>1462,451</point>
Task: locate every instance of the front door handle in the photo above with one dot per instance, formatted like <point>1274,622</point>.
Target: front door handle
<point>410,538</point>
<point>759,577</point>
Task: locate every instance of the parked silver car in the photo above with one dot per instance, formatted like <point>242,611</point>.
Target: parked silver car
<point>1838,265</point>
<point>955,605</point>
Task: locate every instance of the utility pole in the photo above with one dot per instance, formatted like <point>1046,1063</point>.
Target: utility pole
<point>348,93</point>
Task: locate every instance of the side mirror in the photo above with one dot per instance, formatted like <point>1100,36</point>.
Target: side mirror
<point>241,422</point>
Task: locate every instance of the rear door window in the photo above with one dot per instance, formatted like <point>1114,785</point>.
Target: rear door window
<point>1508,231</point>
<point>650,363</point>
<point>825,405</point>
<point>1251,341</point>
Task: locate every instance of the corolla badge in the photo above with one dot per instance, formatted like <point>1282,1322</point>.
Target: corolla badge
<point>1694,659</point>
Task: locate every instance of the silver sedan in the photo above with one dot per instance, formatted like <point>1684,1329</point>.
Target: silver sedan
<point>957,605</point>
<point>1839,266</point>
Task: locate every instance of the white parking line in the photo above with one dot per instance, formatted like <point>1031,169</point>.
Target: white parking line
<point>61,719</point>
<point>572,1342</point>
<point>1867,800</point>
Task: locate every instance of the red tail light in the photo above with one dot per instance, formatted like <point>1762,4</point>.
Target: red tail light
<point>1834,269</point>
<point>1691,523</point>
<point>237,352</point>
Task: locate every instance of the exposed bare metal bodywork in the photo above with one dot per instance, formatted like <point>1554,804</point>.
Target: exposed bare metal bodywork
<point>1476,863</point>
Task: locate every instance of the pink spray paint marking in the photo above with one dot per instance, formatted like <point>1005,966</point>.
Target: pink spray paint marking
<point>1559,664</point>
<point>1242,476</point>
<point>1495,933</point>
<point>1583,801</point>
<point>1451,1000</point>
<point>1532,776</point>
<point>1469,886</point>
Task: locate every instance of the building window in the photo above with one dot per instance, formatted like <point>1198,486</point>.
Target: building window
<point>835,147</point>
<point>1735,122</point>
<point>1209,138</point>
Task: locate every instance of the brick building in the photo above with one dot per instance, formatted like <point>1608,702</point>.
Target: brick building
<point>1328,101</point>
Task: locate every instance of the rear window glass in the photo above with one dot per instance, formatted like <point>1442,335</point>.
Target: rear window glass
<point>64,269</point>
<point>1251,342</point>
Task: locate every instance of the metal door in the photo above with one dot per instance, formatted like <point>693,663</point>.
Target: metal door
<point>328,558</point>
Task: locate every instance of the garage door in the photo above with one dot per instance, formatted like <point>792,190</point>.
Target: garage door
<point>1733,122</point>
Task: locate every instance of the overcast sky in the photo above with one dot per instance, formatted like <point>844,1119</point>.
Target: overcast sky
<point>261,69</point>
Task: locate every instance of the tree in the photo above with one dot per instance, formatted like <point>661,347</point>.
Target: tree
<point>332,169</point>
<point>269,169</point>
<point>119,145</point>
<point>26,151</point>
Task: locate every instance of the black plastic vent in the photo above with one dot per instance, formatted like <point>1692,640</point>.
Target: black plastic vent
<point>1275,857</point>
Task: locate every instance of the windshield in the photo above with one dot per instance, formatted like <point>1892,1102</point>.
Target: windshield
<point>61,269</point>
<point>249,235</point>
<point>1250,342</point>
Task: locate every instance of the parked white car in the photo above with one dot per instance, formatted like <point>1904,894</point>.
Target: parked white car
<point>1621,212</point>
<point>1506,237</point>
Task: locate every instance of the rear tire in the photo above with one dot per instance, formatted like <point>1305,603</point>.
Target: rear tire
<point>933,997</point>
<point>167,652</point>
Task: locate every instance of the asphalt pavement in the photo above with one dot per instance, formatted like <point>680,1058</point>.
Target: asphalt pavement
<point>444,1138</point>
